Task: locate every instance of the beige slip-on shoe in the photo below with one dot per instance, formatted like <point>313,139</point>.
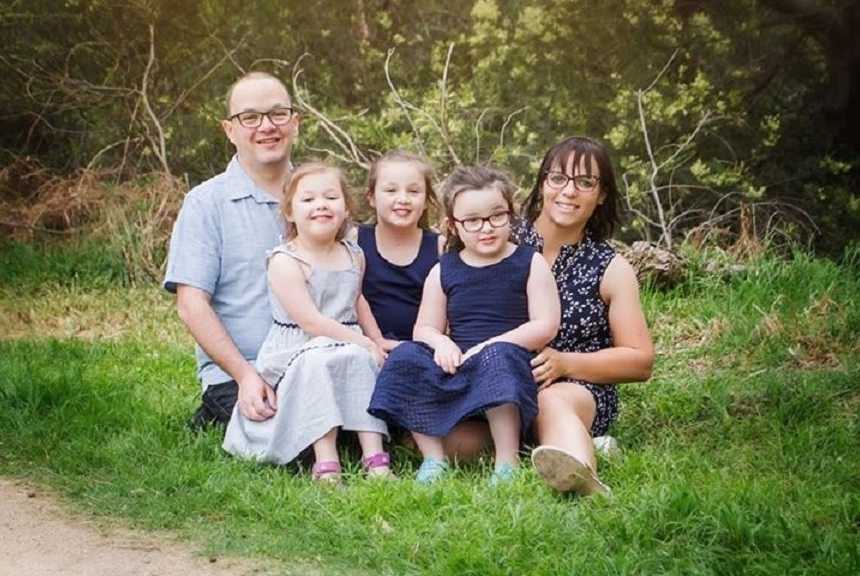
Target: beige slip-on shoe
<point>564,472</point>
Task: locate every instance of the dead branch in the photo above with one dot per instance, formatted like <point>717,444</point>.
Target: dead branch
<point>405,104</point>
<point>159,145</point>
<point>443,104</point>
<point>185,93</point>
<point>340,137</point>
<point>478,133</point>
<point>402,103</point>
<point>505,125</point>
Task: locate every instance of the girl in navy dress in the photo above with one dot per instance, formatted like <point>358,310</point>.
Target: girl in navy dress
<point>399,247</point>
<point>486,307</point>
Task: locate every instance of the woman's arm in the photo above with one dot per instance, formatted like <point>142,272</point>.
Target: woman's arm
<point>544,310</point>
<point>432,321</point>
<point>288,285</point>
<point>631,357</point>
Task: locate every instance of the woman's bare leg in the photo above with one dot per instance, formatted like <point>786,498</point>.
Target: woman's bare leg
<point>565,413</point>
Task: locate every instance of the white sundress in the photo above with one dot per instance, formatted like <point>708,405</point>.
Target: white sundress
<point>320,383</point>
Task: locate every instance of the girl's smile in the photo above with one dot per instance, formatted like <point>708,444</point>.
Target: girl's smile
<point>399,195</point>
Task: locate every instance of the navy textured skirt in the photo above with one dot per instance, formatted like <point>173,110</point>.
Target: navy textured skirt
<point>415,393</point>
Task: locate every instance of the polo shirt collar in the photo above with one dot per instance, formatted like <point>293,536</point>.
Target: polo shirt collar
<point>241,186</point>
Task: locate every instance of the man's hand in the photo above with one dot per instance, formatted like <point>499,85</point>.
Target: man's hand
<point>257,400</point>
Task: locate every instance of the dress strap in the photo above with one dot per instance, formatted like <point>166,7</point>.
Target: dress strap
<point>356,254</point>
<point>288,250</point>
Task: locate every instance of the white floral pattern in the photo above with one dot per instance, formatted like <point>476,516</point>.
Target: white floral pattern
<point>578,270</point>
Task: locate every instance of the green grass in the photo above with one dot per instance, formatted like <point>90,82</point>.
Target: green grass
<point>740,456</point>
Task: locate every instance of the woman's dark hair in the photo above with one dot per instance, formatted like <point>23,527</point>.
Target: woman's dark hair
<point>606,216</point>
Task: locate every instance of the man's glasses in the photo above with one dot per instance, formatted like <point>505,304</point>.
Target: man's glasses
<point>496,220</point>
<point>582,182</point>
<point>253,119</point>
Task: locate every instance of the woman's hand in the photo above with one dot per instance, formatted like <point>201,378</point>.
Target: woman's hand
<point>547,367</point>
<point>447,355</point>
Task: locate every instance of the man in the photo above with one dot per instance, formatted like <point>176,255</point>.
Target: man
<point>217,259</point>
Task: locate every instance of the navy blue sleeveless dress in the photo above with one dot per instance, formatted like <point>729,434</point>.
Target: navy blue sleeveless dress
<point>578,271</point>
<point>483,302</point>
<point>394,292</point>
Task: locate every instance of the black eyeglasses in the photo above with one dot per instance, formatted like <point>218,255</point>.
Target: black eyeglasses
<point>582,182</point>
<point>253,119</point>
<point>496,220</point>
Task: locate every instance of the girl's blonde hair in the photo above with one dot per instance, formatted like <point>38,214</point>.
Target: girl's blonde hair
<point>465,178</point>
<point>424,167</point>
<point>307,169</point>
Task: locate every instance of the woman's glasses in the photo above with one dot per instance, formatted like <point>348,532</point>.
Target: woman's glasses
<point>582,182</point>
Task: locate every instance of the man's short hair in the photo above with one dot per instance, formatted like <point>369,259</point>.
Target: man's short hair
<point>254,75</point>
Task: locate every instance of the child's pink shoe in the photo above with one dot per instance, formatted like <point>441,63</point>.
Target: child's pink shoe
<point>326,471</point>
<point>377,465</point>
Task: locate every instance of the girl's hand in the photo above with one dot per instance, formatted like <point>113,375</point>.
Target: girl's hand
<point>376,351</point>
<point>448,356</point>
<point>547,367</point>
<point>387,345</point>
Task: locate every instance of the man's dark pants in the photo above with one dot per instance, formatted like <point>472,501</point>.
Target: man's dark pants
<point>216,406</point>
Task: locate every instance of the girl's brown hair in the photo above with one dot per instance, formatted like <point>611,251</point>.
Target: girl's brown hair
<point>307,169</point>
<point>424,168</point>
<point>465,178</point>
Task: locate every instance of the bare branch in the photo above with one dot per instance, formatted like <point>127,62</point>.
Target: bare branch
<point>662,71</point>
<point>402,103</point>
<point>228,55</point>
<point>406,105</point>
<point>655,170</point>
<point>335,132</point>
<point>478,134</point>
<point>443,115</point>
<point>159,146</point>
<point>505,125</point>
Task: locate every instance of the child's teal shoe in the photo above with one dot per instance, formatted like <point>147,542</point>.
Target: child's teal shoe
<point>431,470</point>
<point>503,474</point>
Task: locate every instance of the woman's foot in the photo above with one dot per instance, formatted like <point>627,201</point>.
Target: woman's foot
<point>564,472</point>
<point>431,470</point>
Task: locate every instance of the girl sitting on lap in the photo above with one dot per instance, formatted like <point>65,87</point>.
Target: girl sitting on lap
<point>500,304</point>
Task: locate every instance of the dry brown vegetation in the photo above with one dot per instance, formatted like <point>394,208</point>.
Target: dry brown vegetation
<point>137,216</point>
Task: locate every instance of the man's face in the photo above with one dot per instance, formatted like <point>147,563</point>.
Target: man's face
<point>267,144</point>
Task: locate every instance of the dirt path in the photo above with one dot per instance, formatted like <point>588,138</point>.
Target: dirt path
<point>39,538</point>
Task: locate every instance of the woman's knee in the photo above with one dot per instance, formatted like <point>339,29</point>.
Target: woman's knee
<point>566,399</point>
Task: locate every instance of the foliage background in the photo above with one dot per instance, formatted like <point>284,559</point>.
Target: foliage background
<point>752,114</point>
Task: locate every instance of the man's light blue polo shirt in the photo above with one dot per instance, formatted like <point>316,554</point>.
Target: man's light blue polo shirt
<point>219,244</point>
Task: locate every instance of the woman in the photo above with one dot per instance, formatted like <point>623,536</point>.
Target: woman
<point>603,339</point>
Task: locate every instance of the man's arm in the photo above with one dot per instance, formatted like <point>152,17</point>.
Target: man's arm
<point>257,400</point>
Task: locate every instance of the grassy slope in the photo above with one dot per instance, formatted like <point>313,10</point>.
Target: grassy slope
<point>739,456</point>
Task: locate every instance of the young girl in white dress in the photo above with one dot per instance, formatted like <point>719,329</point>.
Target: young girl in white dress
<point>316,357</point>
